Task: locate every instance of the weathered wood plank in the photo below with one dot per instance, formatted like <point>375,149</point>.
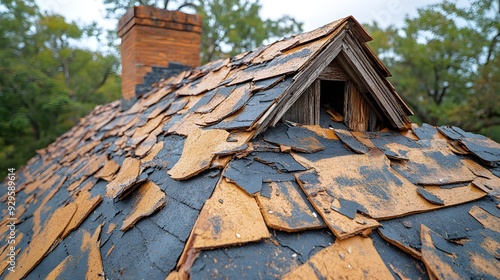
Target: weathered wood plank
<point>386,99</point>
<point>306,109</point>
<point>334,72</point>
<point>358,81</point>
<point>357,110</point>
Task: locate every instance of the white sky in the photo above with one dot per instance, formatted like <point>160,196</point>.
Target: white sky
<point>313,13</point>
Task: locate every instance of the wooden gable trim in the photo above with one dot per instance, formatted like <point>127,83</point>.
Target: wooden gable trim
<point>381,68</point>
<point>362,88</point>
<point>385,98</point>
<point>358,30</point>
<point>303,80</point>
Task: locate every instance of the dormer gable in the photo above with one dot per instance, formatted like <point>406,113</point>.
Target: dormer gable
<point>348,84</point>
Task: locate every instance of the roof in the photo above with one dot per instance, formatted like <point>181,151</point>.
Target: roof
<point>199,178</point>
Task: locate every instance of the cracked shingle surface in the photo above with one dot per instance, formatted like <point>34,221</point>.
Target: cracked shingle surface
<point>182,184</point>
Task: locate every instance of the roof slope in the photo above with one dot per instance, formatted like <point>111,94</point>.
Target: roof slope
<point>170,185</point>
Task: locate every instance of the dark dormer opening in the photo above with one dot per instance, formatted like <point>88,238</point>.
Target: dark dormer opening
<point>332,95</point>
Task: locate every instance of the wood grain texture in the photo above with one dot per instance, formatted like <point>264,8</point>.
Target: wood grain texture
<point>334,72</point>
<point>356,109</point>
<point>307,108</point>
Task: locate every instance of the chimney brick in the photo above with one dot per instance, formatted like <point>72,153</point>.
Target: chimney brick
<point>156,37</point>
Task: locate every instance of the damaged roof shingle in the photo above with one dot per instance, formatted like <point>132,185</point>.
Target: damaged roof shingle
<point>192,180</point>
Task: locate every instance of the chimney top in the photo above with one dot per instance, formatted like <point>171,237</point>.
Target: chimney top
<point>160,18</point>
<point>153,37</point>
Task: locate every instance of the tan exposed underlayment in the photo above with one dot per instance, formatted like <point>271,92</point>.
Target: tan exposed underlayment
<point>486,181</point>
<point>341,225</point>
<point>226,108</point>
<point>274,50</point>
<point>91,248</point>
<point>42,210</point>
<point>199,151</point>
<point>153,152</point>
<point>41,243</point>
<point>390,195</point>
<point>434,263</point>
<point>229,217</point>
<point>441,174</point>
<point>126,177</point>
<point>148,143</point>
<point>145,130</point>
<point>406,249</point>
<point>108,170</point>
<point>322,132</point>
<point>208,82</point>
<point>486,219</point>
<point>286,210</point>
<point>477,255</point>
<point>95,163</point>
<point>54,274</point>
<point>148,199</point>
<point>85,205</point>
<point>186,125</point>
<point>92,244</point>
<point>353,258</point>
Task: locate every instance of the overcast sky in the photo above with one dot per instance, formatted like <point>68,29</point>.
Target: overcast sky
<point>313,13</point>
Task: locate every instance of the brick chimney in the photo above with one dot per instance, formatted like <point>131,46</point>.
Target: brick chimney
<point>156,37</point>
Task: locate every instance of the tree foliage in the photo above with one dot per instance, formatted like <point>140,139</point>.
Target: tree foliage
<point>46,82</point>
<point>230,27</point>
<point>235,26</point>
<point>445,63</point>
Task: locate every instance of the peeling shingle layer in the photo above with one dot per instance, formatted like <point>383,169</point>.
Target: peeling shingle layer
<point>182,184</point>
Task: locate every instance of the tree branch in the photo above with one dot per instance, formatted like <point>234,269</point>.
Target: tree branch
<point>105,78</point>
<point>187,4</point>
<point>491,47</point>
<point>476,125</point>
<point>442,94</point>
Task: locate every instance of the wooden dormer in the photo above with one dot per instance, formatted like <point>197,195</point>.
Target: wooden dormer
<point>348,82</point>
<point>340,98</point>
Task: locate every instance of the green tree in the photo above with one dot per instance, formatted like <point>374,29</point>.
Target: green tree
<point>46,82</point>
<point>445,64</point>
<point>230,27</point>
